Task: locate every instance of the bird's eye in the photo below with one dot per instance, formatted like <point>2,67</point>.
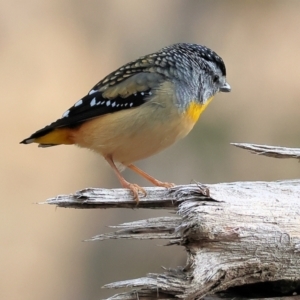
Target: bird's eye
<point>216,78</point>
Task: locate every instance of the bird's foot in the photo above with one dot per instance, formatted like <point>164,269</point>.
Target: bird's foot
<point>163,184</point>
<point>136,190</point>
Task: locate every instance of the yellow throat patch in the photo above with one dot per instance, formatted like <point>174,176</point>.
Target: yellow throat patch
<point>195,109</point>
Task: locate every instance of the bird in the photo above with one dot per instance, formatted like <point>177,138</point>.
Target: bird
<point>141,108</point>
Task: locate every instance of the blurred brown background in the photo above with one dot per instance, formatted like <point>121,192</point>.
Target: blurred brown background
<point>52,52</point>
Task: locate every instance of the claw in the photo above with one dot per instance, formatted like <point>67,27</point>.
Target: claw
<point>136,189</point>
<point>164,184</point>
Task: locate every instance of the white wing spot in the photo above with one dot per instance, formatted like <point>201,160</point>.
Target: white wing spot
<point>93,102</point>
<point>131,104</point>
<point>102,102</point>
<point>150,93</point>
<point>66,113</point>
<point>98,103</point>
<point>142,93</point>
<point>117,105</point>
<point>126,104</point>
<point>134,94</point>
<point>79,102</point>
<point>92,92</point>
<point>108,103</point>
<point>113,104</point>
<point>121,105</point>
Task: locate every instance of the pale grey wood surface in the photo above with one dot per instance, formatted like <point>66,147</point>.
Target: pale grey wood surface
<point>244,232</point>
<point>272,151</point>
<point>234,234</point>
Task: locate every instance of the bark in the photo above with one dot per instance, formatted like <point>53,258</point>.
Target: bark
<point>271,151</point>
<point>234,234</point>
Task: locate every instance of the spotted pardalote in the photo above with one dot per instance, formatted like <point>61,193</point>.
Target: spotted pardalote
<point>141,108</point>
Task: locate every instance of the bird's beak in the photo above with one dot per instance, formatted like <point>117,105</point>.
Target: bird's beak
<point>225,88</point>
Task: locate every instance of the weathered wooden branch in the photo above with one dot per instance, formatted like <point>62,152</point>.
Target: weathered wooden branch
<point>272,151</point>
<point>234,234</point>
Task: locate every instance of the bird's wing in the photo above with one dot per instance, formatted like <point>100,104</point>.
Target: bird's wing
<point>115,92</point>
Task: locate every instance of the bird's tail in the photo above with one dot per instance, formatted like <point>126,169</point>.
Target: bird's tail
<point>48,137</point>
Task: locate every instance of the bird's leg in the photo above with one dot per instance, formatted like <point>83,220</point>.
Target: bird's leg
<point>150,178</point>
<point>125,184</point>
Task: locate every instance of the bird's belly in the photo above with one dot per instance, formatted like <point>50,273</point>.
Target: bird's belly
<point>134,134</point>
<point>145,142</point>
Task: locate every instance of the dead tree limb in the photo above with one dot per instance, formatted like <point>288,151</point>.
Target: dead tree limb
<point>272,151</point>
<point>234,234</point>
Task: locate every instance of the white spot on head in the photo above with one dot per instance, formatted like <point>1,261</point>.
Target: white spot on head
<point>79,102</point>
<point>92,92</point>
<point>108,103</point>
<point>93,102</point>
<point>131,104</point>
<point>113,104</point>
<point>66,113</point>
